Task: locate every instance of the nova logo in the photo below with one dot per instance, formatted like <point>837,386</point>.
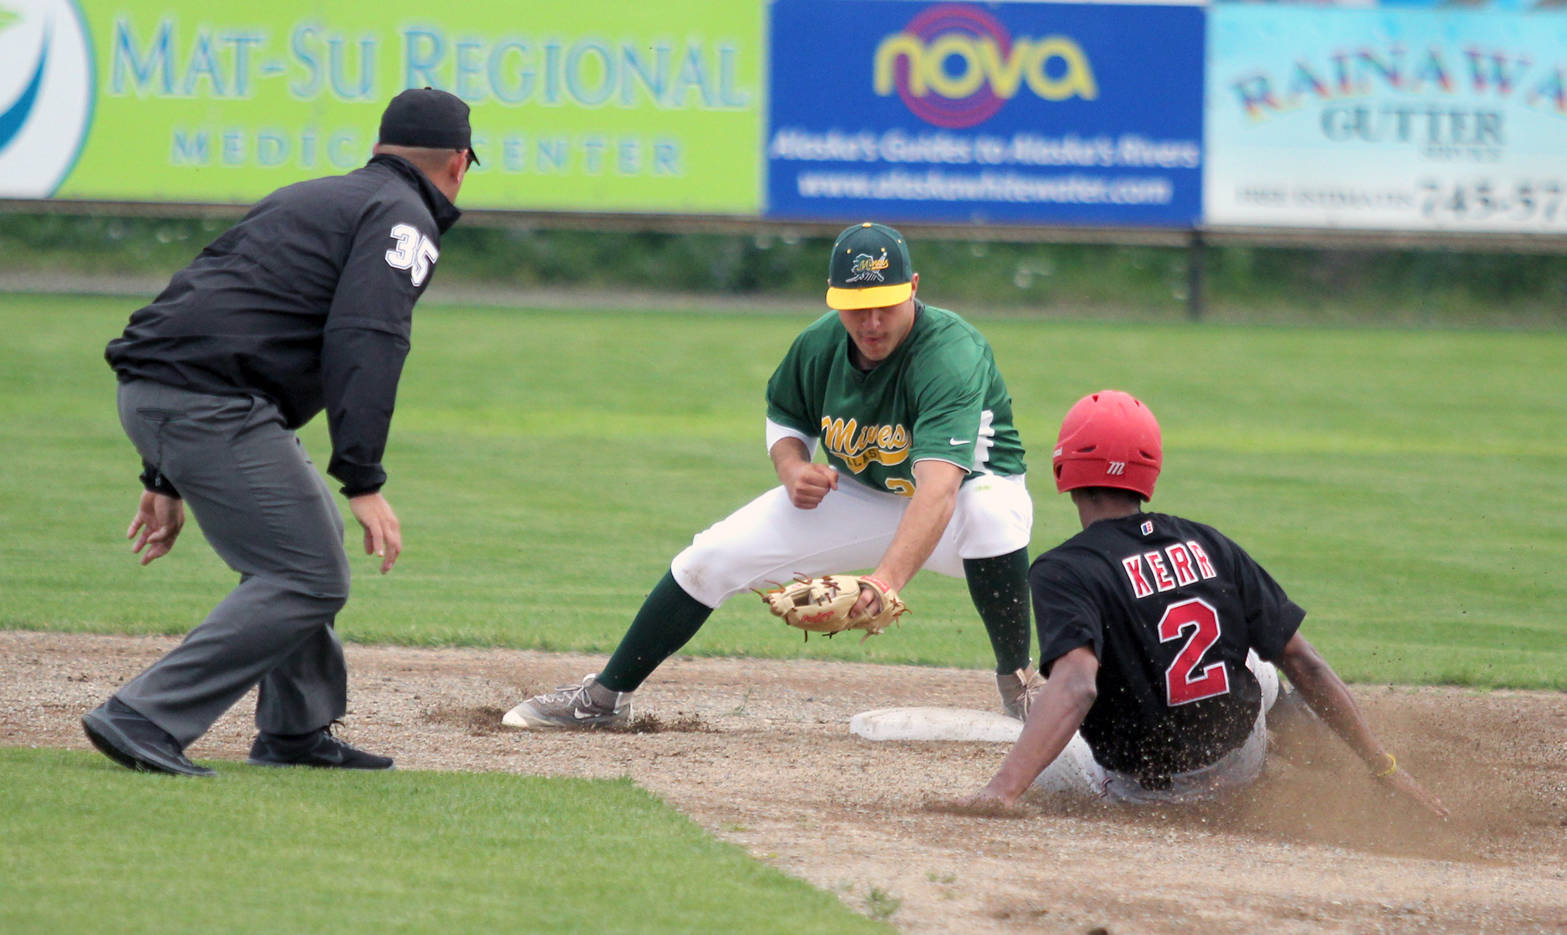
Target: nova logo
<point>45,95</point>
<point>954,66</point>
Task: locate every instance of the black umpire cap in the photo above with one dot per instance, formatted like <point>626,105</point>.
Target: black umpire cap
<point>429,118</point>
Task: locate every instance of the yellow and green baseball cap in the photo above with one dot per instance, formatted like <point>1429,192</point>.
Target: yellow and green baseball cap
<point>869,268</point>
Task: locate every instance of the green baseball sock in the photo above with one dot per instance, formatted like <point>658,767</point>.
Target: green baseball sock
<point>667,621</point>
<point>999,587</point>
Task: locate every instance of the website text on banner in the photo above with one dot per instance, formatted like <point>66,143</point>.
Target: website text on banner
<point>594,105</point>
<point>1403,120</point>
<point>1012,112</point>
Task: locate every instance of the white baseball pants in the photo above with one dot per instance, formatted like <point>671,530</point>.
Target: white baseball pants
<point>769,540</point>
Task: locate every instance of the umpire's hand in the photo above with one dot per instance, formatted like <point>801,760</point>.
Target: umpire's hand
<point>159,518</point>
<point>383,536</point>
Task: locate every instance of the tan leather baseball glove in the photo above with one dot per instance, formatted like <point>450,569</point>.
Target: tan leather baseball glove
<point>823,605</point>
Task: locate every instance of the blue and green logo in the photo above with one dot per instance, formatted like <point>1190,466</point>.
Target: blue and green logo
<point>46,91</point>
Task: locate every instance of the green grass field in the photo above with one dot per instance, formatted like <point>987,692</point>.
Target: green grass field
<point>90,847</point>
<point>1404,486</point>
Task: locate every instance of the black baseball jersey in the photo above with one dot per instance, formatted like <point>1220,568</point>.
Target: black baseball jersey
<point>308,302</point>
<point>1170,607</point>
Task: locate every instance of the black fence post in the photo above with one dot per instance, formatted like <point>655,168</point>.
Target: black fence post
<point>1196,260</point>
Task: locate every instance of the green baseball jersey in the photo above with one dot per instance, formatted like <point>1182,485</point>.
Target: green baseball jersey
<point>937,395</point>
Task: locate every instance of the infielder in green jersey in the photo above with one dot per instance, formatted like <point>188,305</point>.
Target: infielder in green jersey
<point>924,469</point>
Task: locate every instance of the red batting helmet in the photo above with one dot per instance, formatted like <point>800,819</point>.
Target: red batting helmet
<point>1108,439</point>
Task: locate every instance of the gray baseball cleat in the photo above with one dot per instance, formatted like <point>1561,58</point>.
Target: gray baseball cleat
<point>573,707</point>
<point>1018,690</point>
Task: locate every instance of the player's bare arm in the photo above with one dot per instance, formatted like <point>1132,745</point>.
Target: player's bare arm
<point>806,481</point>
<point>1329,697</point>
<point>1056,714</point>
<point>159,519</point>
<point>383,535</point>
<point>936,486</point>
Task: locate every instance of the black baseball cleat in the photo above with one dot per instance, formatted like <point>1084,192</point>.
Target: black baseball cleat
<point>317,748</point>
<point>127,738</point>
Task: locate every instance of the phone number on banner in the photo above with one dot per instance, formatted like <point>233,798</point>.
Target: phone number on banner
<point>1531,203</point>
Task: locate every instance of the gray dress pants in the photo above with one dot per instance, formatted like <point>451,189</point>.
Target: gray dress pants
<point>266,511</point>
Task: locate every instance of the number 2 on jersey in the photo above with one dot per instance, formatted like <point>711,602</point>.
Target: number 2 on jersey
<point>1182,684</point>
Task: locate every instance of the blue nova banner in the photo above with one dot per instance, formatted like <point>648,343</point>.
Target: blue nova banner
<point>1011,112</point>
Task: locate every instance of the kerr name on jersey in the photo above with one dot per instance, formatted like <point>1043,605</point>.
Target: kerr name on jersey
<point>1167,569</point>
<point>859,445</point>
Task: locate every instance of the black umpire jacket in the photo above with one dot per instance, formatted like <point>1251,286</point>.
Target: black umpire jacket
<point>307,302</point>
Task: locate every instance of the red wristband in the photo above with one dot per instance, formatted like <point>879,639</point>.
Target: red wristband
<point>878,582</point>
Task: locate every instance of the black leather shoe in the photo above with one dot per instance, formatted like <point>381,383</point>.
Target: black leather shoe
<point>136,743</point>
<point>318,748</point>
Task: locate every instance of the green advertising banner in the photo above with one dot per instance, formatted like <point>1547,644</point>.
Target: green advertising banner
<point>594,105</point>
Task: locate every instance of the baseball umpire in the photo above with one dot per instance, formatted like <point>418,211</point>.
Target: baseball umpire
<point>306,304</point>
<point>1160,636</point>
<point>924,469</point>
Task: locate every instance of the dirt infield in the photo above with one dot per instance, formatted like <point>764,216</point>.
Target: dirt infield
<point>758,752</point>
